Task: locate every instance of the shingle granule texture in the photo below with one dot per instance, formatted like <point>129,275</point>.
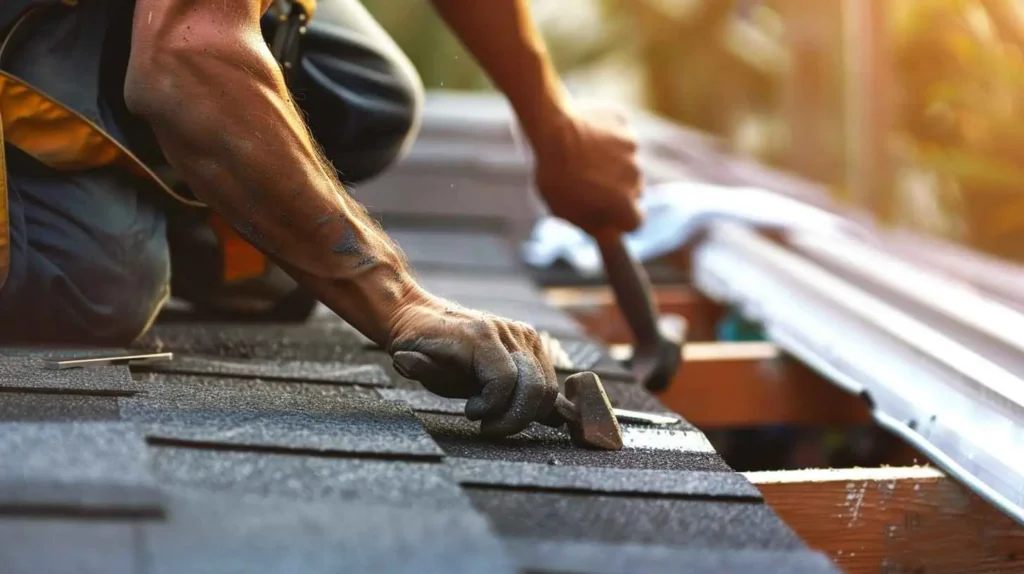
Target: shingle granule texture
<point>538,444</point>
<point>644,520</point>
<point>75,467</point>
<point>30,373</point>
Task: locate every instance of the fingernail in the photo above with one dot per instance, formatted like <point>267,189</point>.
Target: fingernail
<point>405,363</point>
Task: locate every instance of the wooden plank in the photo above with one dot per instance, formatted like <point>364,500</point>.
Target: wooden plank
<point>729,385</point>
<point>910,519</point>
<point>721,385</point>
<point>595,309</point>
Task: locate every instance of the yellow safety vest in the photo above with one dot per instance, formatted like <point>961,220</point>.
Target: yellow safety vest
<point>63,139</point>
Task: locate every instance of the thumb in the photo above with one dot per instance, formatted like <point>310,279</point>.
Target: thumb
<point>415,366</point>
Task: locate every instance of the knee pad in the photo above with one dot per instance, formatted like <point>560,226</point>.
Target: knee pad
<point>125,300</point>
<point>362,98</point>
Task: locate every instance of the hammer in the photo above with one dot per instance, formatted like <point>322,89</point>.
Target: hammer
<point>587,413</point>
<point>657,354</point>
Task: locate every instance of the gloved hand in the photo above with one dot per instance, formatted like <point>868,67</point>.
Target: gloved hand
<point>498,364</point>
<point>587,171</point>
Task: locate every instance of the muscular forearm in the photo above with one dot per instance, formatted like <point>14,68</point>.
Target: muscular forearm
<point>218,105</point>
<point>501,35</point>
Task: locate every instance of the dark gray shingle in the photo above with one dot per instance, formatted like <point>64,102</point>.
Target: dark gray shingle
<point>39,407</point>
<point>396,483</point>
<point>455,250</point>
<point>653,520</point>
<point>245,535</point>
<point>51,546</point>
<point>30,373</point>
<point>95,467</point>
<point>309,371</point>
<point>173,391</point>
<point>622,395</point>
<point>605,558</point>
<point>452,286</point>
<point>539,444</point>
<point>424,401</point>
<point>666,483</point>
<point>330,341</point>
<point>347,425</point>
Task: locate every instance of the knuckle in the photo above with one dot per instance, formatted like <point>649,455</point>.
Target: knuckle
<point>410,344</point>
<point>480,328</point>
<point>527,330</point>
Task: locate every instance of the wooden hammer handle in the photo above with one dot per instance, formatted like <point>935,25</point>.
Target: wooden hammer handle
<point>655,357</point>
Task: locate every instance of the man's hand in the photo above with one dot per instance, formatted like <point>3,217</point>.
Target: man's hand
<point>586,162</point>
<point>498,364</point>
<point>587,172</point>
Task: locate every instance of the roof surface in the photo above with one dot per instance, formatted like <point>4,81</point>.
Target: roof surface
<point>297,448</point>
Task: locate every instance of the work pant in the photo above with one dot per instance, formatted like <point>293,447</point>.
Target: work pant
<point>90,261</point>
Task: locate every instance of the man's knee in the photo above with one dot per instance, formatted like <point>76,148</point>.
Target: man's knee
<point>361,95</point>
<point>108,305</point>
<point>124,299</point>
<point>90,262</point>
<point>364,111</point>
<point>113,298</point>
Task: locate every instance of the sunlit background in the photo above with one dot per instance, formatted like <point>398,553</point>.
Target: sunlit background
<point>908,109</point>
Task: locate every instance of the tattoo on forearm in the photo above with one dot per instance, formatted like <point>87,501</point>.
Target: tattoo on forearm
<point>257,238</point>
<point>350,246</point>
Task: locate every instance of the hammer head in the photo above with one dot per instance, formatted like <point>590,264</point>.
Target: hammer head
<point>594,425</point>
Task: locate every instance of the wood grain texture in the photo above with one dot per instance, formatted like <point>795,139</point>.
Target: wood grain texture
<point>728,385</point>
<point>595,309</point>
<point>720,385</point>
<point>894,520</point>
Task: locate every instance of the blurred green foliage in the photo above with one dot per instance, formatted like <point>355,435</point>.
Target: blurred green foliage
<point>438,56</point>
<point>960,69</point>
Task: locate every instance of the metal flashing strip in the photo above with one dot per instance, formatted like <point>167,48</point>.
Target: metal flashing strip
<point>944,386</point>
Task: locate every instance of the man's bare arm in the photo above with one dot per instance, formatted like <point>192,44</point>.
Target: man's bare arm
<point>502,37</point>
<point>201,74</point>
<point>585,163</point>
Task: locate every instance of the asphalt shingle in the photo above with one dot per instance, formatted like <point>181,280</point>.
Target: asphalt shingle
<point>304,371</point>
<point>424,401</point>
<point>54,546</point>
<point>396,483</point>
<point>641,520</point>
<point>645,450</point>
<point>174,391</point>
<point>81,467</point>
<point>218,534</point>
<point>543,477</point>
<point>30,374</point>
<point>39,407</point>
<point>328,341</point>
<point>534,555</point>
<point>622,395</point>
<point>453,286</point>
<point>537,314</point>
<point>348,425</point>
<point>455,250</point>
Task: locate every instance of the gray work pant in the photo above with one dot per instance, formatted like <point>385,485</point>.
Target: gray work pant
<point>89,250</point>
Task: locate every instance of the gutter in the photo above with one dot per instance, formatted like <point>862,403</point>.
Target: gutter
<point>941,380</point>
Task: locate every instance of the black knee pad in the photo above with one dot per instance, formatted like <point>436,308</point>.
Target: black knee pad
<point>362,99</point>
